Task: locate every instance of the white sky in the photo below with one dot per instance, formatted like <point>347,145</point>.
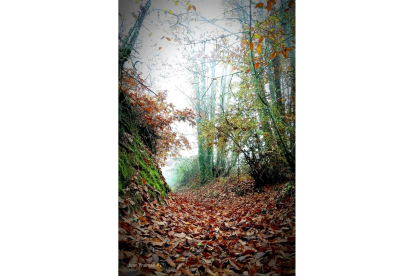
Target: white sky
<point>163,69</point>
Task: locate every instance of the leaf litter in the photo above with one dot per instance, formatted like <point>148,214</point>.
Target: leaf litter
<point>219,229</point>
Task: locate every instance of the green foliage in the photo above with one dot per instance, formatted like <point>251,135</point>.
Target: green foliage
<point>255,131</point>
<point>245,132</point>
<point>186,172</point>
<point>125,170</point>
<point>288,188</point>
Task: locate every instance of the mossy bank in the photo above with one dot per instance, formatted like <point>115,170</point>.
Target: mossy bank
<point>135,160</point>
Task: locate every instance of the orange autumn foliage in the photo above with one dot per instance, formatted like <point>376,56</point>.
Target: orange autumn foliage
<point>158,115</point>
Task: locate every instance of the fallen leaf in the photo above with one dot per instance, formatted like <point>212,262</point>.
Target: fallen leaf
<point>133,260</point>
<point>235,264</point>
<point>170,262</point>
<point>181,235</point>
<point>186,272</point>
<point>269,6</point>
<point>157,241</point>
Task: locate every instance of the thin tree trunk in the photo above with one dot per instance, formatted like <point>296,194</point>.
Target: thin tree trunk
<point>129,41</point>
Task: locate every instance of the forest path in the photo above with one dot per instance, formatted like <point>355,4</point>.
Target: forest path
<point>215,230</point>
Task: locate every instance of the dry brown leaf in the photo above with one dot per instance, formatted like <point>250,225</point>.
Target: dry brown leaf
<point>186,272</point>
<point>170,262</point>
<point>133,260</point>
<point>235,264</point>
<point>180,235</point>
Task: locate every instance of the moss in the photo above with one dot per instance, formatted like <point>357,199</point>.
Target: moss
<point>136,159</point>
<point>120,190</point>
<point>151,193</point>
<point>133,156</point>
<point>125,170</point>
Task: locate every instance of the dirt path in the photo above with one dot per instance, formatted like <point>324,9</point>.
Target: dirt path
<point>212,231</point>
